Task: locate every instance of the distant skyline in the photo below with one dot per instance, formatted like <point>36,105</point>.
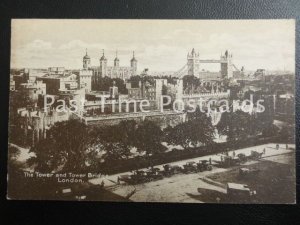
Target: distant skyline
<point>160,45</point>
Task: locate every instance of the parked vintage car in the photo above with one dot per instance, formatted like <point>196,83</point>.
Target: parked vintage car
<point>227,161</point>
<point>242,157</point>
<point>190,167</point>
<point>170,170</point>
<point>154,174</point>
<point>137,177</point>
<point>255,155</point>
<point>203,165</point>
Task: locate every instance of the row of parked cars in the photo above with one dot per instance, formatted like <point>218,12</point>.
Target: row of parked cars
<point>228,161</point>
<point>142,176</point>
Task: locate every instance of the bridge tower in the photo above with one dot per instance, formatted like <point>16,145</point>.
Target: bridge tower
<point>133,64</point>
<point>226,65</point>
<point>193,63</point>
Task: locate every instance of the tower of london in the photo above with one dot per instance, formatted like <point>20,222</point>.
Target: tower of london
<point>115,71</point>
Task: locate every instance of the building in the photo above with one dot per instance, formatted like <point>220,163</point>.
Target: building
<point>115,71</point>
<point>58,79</point>
<point>78,95</point>
<point>31,75</point>
<point>85,79</point>
<point>209,75</point>
<point>285,106</point>
<point>30,92</point>
<point>34,124</point>
<point>151,91</point>
<point>113,91</point>
<point>85,74</point>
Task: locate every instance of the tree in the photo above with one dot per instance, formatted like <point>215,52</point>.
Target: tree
<point>189,80</point>
<point>113,143</point>
<point>13,154</point>
<point>198,129</point>
<point>118,140</point>
<point>168,131</point>
<point>121,85</point>
<point>179,135</point>
<point>148,138</point>
<point>202,128</point>
<point>104,83</point>
<point>287,134</point>
<point>164,90</point>
<point>270,130</point>
<point>65,148</point>
<point>265,119</point>
<point>127,132</point>
<point>237,125</point>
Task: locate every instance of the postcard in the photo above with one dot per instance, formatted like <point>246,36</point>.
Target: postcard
<point>182,111</point>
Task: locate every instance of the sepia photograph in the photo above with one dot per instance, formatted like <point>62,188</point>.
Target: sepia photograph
<point>136,110</point>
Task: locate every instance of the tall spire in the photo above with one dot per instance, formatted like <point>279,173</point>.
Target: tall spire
<point>133,58</point>
<point>86,60</point>
<point>103,57</point>
<point>86,55</point>
<point>116,59</point>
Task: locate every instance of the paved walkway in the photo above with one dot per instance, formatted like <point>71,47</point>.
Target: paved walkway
<point>111,180</point>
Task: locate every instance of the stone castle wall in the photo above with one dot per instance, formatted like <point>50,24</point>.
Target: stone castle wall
<point>161,119</point>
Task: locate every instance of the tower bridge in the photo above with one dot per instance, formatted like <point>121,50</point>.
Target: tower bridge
<point>193,65</point>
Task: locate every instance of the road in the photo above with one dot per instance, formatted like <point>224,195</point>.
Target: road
<point>183,187</point>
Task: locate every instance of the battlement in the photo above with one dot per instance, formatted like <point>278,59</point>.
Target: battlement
<point>215,94</point>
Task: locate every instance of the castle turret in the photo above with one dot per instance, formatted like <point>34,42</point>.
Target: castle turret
<point>86,61</point>
<point>133,64</point>
<point>85,75</point>
<point>103,65</point>
<point>116,61</point>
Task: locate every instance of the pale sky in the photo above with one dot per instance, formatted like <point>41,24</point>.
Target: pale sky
<point>160,45</point>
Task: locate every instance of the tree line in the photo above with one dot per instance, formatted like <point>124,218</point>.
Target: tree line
<point>72,146</point>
